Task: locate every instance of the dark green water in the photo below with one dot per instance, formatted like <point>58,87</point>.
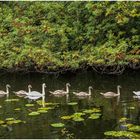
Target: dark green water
<point>39,126</point>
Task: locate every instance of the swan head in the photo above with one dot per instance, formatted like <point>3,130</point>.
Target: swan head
<point>90,87</point>
<point>8,86</point>
<point>68,84</point>
<point>29,86</point>
<point>44,85</point>
<point>119,86</point>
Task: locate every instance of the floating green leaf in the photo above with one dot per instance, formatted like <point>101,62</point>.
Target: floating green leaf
<point>9,119</point>
<point>17,109</point>
<point>131,107</point>
<point>11,100</point>
<point>66,117</point>
<point>94,110</point>
<point>33,113</point>
<point>119,134</point>
<point>78,119</point>
<point>123,119</point>
<point>0,106</point>
<point>57,125</point>
<point>29,105</point>
<point>42,111</point>
<point>134,128</point>
<point>1,122</point>
<point>94,116</point>
<point>13,122</point>
<point>72,103</point>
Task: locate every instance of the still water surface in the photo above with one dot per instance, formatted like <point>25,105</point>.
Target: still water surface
<point>40,126</point>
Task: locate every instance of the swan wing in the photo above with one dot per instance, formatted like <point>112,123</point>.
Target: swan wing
<point>136,93</point>
<point>21,92</point>
<point>33,97</point>
<point>81,94</point>
<point>2,92</point>
<point>58,92</point>
<point>34,94</point>
<point>110,94</point>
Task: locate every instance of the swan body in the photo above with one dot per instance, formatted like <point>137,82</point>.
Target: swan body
<point>61,92</point>
<point>23,92</point>
<point>7,90</point>
<point>35,94</point>
<point>83,94</point>
<point>136,93</point>
<point>112,94</point>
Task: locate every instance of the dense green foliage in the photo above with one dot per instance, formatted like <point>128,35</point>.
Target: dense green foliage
<point>62,35</point>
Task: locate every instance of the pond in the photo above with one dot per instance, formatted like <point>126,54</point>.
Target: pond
<point>69,116</point>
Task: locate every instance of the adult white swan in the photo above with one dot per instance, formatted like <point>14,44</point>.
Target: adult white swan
<point>61,92</point>
<point>34,95</point>
<point>84,94</point>
<point>112,94</point>
<point>136,93</point>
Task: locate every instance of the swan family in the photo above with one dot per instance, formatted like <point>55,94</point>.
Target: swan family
<point>34,95</point>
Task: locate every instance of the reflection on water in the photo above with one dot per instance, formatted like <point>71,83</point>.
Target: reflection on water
<point>112,109</point>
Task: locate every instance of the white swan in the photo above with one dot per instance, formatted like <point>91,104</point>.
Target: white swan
<point>35,94</point>
<point>7,90</point>
<point>23,92</point>
<point>83,94</point>
<point>61,92</point>
<point>136,93</point>
<point>112,94</point>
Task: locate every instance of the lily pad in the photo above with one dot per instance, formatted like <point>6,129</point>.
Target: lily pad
<point>29,105</point>
<point>33,113</point>
<point>94,116</point>
<point>0,106</point>
<point>11,100</point>
<point>4,125</point>
<point>9,119</point>
<point>131,107</point>
<point>17,109</point>
<point>94,110</point>
<point>42,111</point>
<point>13,122</point>
<point>66,117</point>
<point>123,119</point>
<point>78,119</point>
<point>51,104</point>
<point>135,128</point>
<point>57,125</point>
<point>1,122</point>
<point>72,103</point>
<point>122,134</point>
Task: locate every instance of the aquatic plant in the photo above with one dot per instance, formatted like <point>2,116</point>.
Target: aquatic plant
<point>122,134</point>
<point>0,106</point>
<point>66,117</point>
<point>11,100</point>
<point>10,119</point>
<point>94,116</point>
<point>57,125</point>
<point>13,122</point>
<point>72,103</point>
<point>29,105</point>
<point>42,111</point>
<point>34,113</point>
<point>94,110</point>
<point>1,122</point>
<point>17,109</point>
<point>124,119</point>
<point>134,128</point>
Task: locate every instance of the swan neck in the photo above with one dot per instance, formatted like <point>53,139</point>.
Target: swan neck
<point>43,90</point>
<point>67,88</point>
<point>29,89</point>
<point>118,90</point>
<point>7,90</point>
<point>89,91</point>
